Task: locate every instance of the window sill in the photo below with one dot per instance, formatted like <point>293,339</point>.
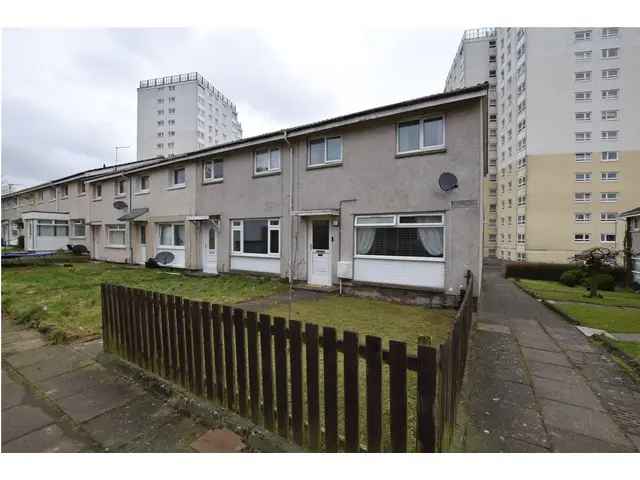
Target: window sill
<point>142,192</point>
<point>120,195</point>
<point>325,165</point>
<point>78,238</point>
<point>82,195</point>
<point>401,259</point>
<point>416,153</point>
<point>117,247</point>
<point>257,255</point>
<point>177,187</point>
<point>64,198</point>
<point>213,181</point>
<point>170,247</point>
<point>267,174</point>
<point>97,199</point>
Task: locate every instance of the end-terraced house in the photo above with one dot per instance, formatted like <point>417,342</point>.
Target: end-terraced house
<point>355,199</point>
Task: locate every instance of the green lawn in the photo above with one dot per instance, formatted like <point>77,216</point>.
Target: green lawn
<point>67,298</point>
<point>374,317</point>
<point>615,312</point>
<point>630,348</point>
<point>559,292</point>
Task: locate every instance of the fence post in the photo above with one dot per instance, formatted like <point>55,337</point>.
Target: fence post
<point>427,388</point>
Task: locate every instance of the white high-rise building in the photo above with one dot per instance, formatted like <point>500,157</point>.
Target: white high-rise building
<point>567,129</point>
<point>182,113</point>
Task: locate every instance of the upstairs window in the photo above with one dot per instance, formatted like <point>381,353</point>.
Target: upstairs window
<point>608,237</point>
<point>609,114</point>
<point>583,157</point>
<point>417,135</point>
<point>608,217</point>
<point>610,73</point>
<point>177,177</point>
<point>97,191</point>
<point>581,237</point>
<point>120,188</point>
<point>325,151</point>
<point>583,217</point>
<point>142,184</point>
<point>583,76</point>
<point>267,161</point>
<point>64,191</point>
<point>583,96</point>
<point>213,170</point>
<point>610,94</point>
<point>82,188</point>
<point>610,52</point>
<point>582,35</point>
<point>583,177</point>
<point>609,196</point>
<point>583,55</point>
<point>609,156</point>
<point>610,32</point>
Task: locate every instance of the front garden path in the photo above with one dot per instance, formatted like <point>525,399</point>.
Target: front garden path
<point>536,384</point>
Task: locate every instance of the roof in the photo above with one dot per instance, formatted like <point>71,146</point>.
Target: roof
<point>87,174</point>
<point>634,212</point>
<point>475,91</point>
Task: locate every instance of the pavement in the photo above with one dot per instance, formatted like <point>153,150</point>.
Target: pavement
<point>68,398</point>
<point>535,383</point>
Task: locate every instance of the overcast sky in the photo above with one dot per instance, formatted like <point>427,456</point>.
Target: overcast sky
<point>68,97</point>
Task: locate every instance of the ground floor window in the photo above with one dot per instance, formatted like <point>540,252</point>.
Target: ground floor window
<point>635,268</point>
<point>117,235</point>
<point>53,228</point>
<point>143,234</point>
<point>171,235</point>
<point>258,236</point>
<point>78,228</point>
<point>408,236</point>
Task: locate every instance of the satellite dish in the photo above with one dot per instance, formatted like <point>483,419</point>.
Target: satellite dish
<point>448,181</point>
<point>165,258</point>
<point>119,205</point>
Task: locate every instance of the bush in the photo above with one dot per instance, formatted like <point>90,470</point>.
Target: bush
<point>604,281</point>
<point>571,278</point>
<point>552,271</point>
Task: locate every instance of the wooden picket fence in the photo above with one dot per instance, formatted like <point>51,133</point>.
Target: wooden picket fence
<point>270,370</point>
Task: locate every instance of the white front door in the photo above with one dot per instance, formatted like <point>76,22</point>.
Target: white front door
<point>209,242</point>
<point>319,252</point>
<point>142,249</point>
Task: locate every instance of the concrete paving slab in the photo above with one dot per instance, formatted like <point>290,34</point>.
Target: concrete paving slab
<point>545,356</point>
<point>82,379</point>
<point>571,442</point>
<point>51,439</point>
<point>583,421</point>
<point>553,372</point>
<point>175,437</point>
<point>219,440</point>
<point>56,363</point>
<point>23,359</point>
<point>119,426</point>
<point>22,419</point>
<point>23,346</point>
<point>88,404</point>
<point>508,420</point>
<point>570,338</point>
<point>483,442</point>
<point>575,393</point>
<point>19,336</point>
<point>13,394</point>
<point>91,349</point>
<point>499,391</point>
<point>493,327</point>
<point>539,341</point>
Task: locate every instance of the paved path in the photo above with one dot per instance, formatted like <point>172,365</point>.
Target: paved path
<point>66,398</point>
<point>536,384</point>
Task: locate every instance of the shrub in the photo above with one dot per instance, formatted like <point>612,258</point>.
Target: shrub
<point>571,278</point>
<point>552,271</point>
<point>604,281</point>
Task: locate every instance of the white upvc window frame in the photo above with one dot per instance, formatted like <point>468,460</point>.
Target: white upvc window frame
<point>609,135</point>
<point>609,32</point>
<point>608,176</point>
<point>582,217</point>
<point>604,235</point>
<point>72,228</point>
<point>64,191</point>
<point>421,147</point>
<point>607,154</point>
<point>82,188</point>
<point>605,53</point>
<point>582,76</point>
<point>609,197</point>
<point>139,189</point>
<point>211,165</point>
<point>582,137</point>
<point>97,191</point>
<point>610,115</point>
<point>582,237</point>
<point>610,94</point>
<point>173,185</point>
<point>325,141</point>
<point>273,224</point>
<point>583,116</point>
<point>605,73</point>
<point>582,35</point>
<point>116,227</point>
<point>120,188</point>
<point>608,217</point>
<point>54,224</point>
<point>587,197</point>
<point>269,171</point>
<point>172,226</point>
<point>585,157</point>
<point>583,55</point>
<point>587,96</point>
<point>583,177</point>
<point>397,223</point>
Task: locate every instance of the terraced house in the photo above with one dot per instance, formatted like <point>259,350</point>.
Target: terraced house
<point>356,199</point>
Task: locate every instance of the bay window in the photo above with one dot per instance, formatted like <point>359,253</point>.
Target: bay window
<point>53,228</point>
<point>424,134</point>
<point>410,236</point>
<point>171,235</point>
<point>267,161</point>
<point>259,236</point>
<point>117,235</point>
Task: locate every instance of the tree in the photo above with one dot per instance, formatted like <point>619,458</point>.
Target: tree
<point>594,261</point>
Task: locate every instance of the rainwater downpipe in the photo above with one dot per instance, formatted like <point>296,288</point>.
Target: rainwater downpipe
<point>286,139</point>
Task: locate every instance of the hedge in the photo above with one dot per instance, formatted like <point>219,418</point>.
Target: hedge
<point>27,261</point>
<point>551,271</point>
